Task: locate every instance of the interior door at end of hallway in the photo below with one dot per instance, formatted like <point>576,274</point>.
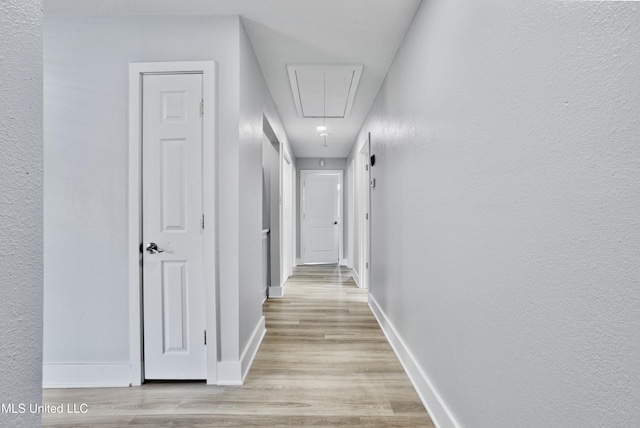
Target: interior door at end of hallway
<point>321,216</point>
<point>173,291</point>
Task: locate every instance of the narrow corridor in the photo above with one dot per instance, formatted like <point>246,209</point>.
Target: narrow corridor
<point>324,362</point>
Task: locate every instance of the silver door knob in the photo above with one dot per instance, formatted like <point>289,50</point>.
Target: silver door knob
<point>153,248</point>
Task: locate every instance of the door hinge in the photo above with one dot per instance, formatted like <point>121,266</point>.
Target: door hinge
<point>367,216</point>
<point>367,265</point>
<point>201,107</point>
<point>205,337</point>
<point>366,167</point>
<point>203,221</point>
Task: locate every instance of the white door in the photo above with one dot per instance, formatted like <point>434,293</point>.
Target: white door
<point>173,291</point>
<point>321,212</point>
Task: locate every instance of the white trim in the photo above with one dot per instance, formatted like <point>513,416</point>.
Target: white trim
<point>351,195</point>
<point>251,350</point>
<point>356,277</point>
<point>86,375</point>
<point>365,210</point>
<point>208,71</point>
<point>287,247</point>
<point>436,407</point>
<point>298,261</point>
<point>276,292</point>
<point>210,209</point>
<point>344,262</point>
<point>229,373</point>
<point>234,373</point>
<point>340,173</point>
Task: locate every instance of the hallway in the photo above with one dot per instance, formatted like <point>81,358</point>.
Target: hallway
<point>323,362</point>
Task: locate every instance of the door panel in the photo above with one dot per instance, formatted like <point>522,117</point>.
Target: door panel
<point>173,292</point>
<point>173,192</point>
<point>321,217</point>
<point>174,306</point>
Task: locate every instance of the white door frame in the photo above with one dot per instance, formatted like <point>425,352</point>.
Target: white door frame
<point>136,71</point>
<point>365,214</point>
<point>339,172</point>
<point>351,214</point>
<point>286,230</point>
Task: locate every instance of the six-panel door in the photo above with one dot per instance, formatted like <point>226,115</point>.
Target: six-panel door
<point>173,292</point>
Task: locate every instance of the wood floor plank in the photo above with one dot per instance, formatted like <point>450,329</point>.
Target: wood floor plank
<point>324,362</point>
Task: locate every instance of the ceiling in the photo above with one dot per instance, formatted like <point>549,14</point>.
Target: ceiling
<point>284,33</point>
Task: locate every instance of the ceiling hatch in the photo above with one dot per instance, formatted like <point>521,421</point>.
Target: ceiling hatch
<point>324,90</point>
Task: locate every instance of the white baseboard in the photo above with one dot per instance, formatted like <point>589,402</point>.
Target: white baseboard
<point>235,372</point>
<point>298,262</point>
<point>276,292</point>
<point>250,351</point>
<point>86,375</point>
<point>344,262</point>
<point>356,278</point>
<point>437,409</point>
<point>229,373</point>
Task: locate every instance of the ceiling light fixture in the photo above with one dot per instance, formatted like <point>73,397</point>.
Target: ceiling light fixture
<point>321,128</point>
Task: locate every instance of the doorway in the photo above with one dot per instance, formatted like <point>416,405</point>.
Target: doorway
<point>287,217</point>
<point>171,233</point>
<point>321,216</point>
<point>365,214</point>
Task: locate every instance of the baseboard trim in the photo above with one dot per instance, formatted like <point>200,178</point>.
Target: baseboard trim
<point>229,373</point>
<point>233,373</point>
<point>276,292</point>
<point>298,262</point>
<point>86,375</point>
<point>251,350</point>
<point>356,278</point>
<point>437,409</point>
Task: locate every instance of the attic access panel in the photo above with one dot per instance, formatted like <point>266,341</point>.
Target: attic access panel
<point>313,84</point>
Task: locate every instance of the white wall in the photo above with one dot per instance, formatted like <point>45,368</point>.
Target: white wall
<point>256,104</point>
<point>260,119</point>
<point>21,208</point>
<point>241,299</point>
<point>505,226</point>
<point>86,168</point>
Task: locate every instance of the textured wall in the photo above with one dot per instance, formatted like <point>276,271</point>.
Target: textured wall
<point>86,61</point>
<point>20,208</point>
<point>506,216</point>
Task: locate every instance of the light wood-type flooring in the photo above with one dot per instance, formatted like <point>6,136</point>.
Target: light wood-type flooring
<point>324,362</point>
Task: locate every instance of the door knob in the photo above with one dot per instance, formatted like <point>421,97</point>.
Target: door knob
<point>335,222</point>
<point>153,248</point>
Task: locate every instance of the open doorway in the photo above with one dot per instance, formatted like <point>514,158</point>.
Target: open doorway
<point>287,217</point>
<point>278,213</point>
